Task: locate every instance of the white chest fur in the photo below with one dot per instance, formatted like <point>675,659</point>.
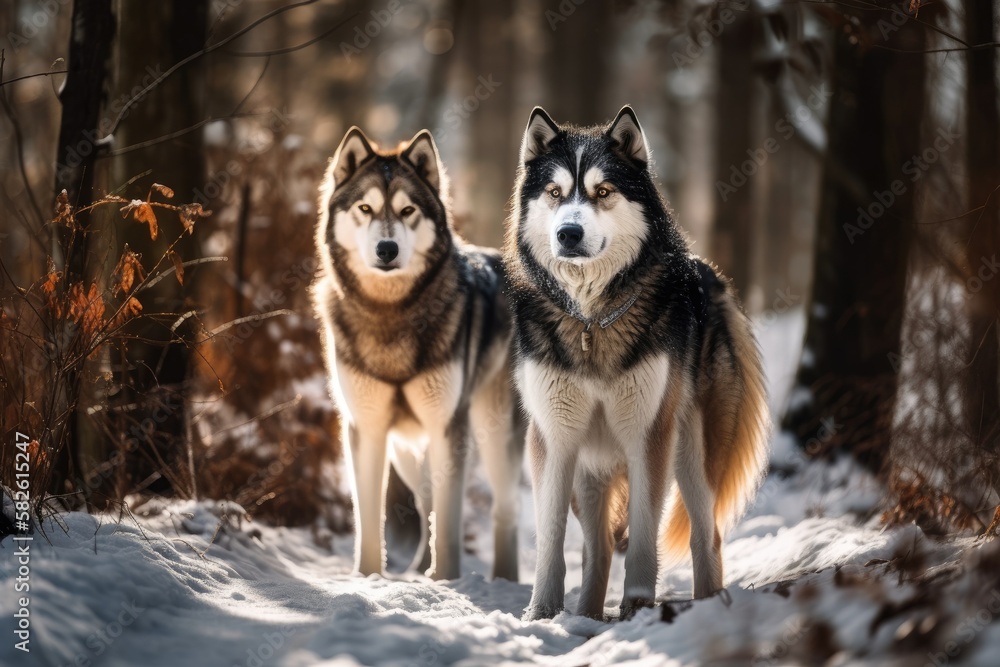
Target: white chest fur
<point>603,418</point>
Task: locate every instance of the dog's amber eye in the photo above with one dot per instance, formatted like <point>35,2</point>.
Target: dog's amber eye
<point>365,208</point>
<point>603,192</point>
<point>407,210</point>
<point>554,193</point>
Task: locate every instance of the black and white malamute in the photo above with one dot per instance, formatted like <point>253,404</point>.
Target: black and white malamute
<point>417,337</point>
<point>636,366</point>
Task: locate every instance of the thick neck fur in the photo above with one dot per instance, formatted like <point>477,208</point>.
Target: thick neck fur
<point>596,288</point>
<point>664,276</point>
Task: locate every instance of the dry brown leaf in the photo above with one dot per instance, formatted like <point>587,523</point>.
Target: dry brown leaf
<point>130,309</point>
<point>178,266</point>
<point>129,269</point>
<point>189,213</point>
<point>163,190</point>
<point>51,282</point>
<point>49,289</point>
<point>144,213</point>
<point>76,300</point>
<point>92,317</point>
<point>64,210</point>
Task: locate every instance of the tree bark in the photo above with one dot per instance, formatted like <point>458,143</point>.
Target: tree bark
<point>81,131</point>
<point>155,368</point>
<point>846,382</point>
<point>81,134</point>
<point>733,238</point>
<point>983,156</point>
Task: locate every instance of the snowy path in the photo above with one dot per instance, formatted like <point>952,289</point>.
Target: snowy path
<point>181,591</point>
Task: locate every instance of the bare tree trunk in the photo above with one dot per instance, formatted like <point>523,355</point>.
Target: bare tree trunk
<point>486,93</point>
<point>80,141</point>
<point>733,239</point>
<point>846,382</point>
<point>575,55</point>
<point>82,97</point>
<point>154,372</point>
<point>983,155</point>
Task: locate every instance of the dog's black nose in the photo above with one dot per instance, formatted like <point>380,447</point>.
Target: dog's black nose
<point>569,235</point>
<point>386,251</point>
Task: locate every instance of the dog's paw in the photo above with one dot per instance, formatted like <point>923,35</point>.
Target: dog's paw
<point>538,612</point>
<point>630,607</point>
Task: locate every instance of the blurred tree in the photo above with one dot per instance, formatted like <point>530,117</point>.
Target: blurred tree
<point>790,52</point>
<point>983,157</point>
<point>81,134</point>
<point>153,37</point>
<point>735,238</point>
<point>846,382</point>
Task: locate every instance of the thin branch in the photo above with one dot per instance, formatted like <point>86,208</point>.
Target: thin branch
<point>290,49</point>
<point>171,269</point>
<point>257,317</point>
<point>19,145</point>
<point>198,54</point>
<point>973,47</point>
<point>32,76</point>
<point>270,412</point>
<point>179,133</point>
<point>260,77</point>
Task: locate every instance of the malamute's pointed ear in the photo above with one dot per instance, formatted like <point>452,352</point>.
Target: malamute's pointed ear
<point>422,155</point>
<point>628,135</point>
<point>540,132</point>
<point>353,150</point>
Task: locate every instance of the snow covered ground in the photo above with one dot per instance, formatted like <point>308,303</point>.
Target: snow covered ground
<point>812,578</point>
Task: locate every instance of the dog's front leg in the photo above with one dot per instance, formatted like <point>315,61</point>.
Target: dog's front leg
<point>649,438</point>
<point>366,410</point>
<point>435,397</point>
<point>641,559</point>
<point>447,455</point>
<point>370,477</point>
<point>552,472</point>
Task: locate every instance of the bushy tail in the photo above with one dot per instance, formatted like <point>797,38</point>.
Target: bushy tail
<point>739,445</point>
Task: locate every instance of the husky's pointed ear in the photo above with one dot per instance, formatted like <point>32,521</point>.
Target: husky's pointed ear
<point>354,149</point>
<point>538,135</point>
<point>422,155</point>
<point>628,135</point>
